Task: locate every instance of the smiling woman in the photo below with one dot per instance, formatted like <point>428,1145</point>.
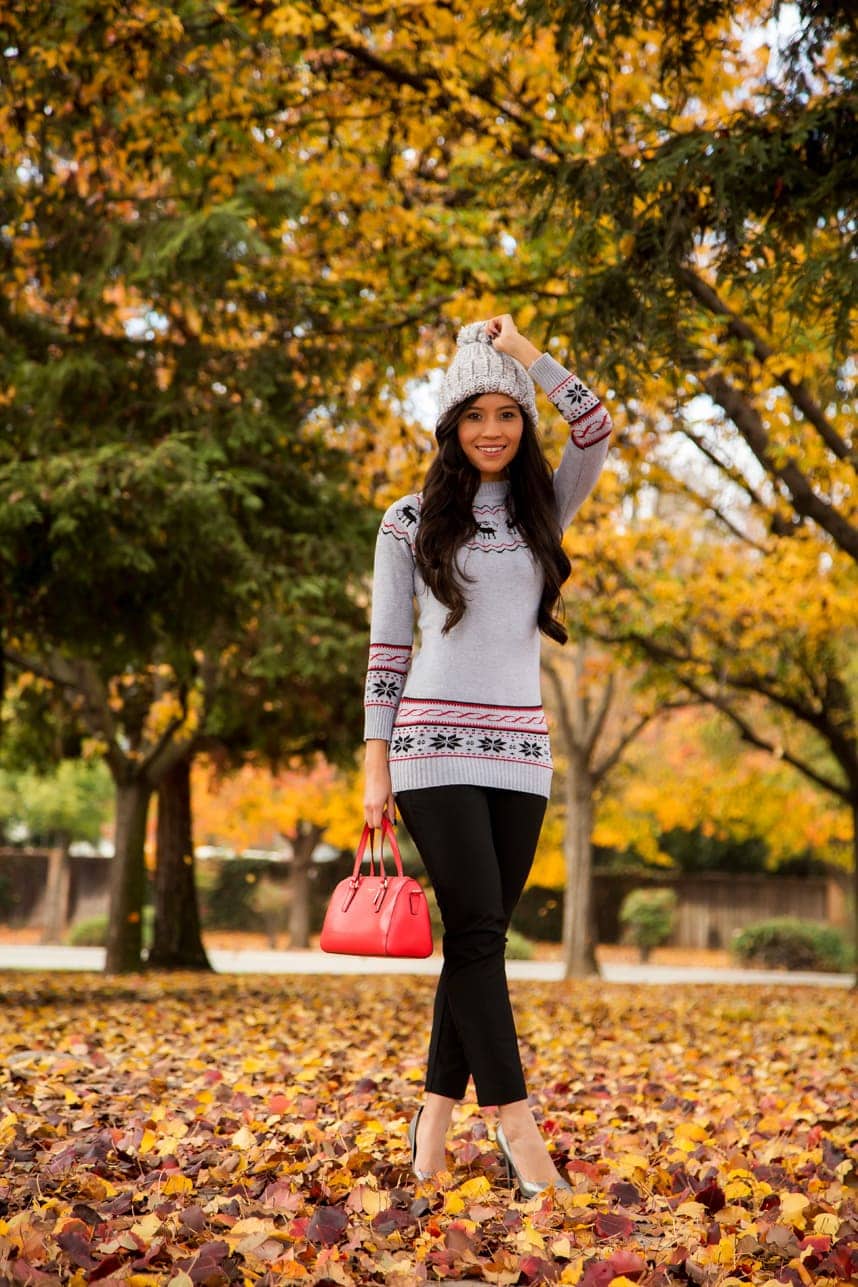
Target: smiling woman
<point>456,734</point>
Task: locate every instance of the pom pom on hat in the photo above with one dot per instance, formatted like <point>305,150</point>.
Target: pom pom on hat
<point>473,333</point>
<point>478,367</point>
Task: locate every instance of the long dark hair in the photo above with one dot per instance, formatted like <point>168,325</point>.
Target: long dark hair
<point>447,519</point>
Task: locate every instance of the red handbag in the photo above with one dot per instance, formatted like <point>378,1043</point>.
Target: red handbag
<point>378,914</point>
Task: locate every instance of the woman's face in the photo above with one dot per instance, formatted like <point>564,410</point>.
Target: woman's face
<point>489,433</point>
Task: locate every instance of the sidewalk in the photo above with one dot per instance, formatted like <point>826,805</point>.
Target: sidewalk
<point>36,957</point>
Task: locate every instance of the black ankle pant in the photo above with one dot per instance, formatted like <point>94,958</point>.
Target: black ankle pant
<point>477,844</point>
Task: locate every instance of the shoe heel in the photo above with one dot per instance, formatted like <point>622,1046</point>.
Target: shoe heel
<point>412,1140</point>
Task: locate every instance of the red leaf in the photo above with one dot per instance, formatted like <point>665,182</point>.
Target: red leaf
<point>392,1220</point>
<point>597,1274</point>
<point>537,1270</point>
<point>327,1226</point>
<point>625,1193</point>
<point>27,1274</point>
<point>193,1218</point>
<point>712,1198</point>
<point>457,1238</point>
<point>627,1263</point>
<point>105,1267</point>
<point>819,1242</point>
<point>77,1249</point>
<point>609,1224</point>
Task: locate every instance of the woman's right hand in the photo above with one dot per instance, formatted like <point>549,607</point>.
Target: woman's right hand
<point>378,792</point>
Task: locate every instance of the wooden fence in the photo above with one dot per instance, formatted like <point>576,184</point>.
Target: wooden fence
<point>711,906</point>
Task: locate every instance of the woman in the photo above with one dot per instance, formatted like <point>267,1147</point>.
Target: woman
<point>456,736</point>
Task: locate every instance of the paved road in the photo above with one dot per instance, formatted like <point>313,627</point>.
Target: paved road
<point>34,957</point>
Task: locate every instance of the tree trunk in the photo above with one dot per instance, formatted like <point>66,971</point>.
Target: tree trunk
<point>177,942</point>
<point>579,952</point>
<point>57,891</point>
<point>307,837</point>
<point>128,877</point>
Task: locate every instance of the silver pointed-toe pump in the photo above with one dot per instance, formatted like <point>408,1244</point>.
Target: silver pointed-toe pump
<point>528,1188</point>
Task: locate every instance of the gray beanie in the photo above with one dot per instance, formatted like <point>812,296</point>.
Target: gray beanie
<point>478,367</point>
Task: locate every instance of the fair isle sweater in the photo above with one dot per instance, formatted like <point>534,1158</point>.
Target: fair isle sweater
<point>466,707</point>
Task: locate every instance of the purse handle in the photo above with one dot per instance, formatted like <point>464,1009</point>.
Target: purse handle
<point>369,835</point>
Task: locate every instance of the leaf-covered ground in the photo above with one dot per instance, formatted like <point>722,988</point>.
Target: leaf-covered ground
<point>252,1130</point>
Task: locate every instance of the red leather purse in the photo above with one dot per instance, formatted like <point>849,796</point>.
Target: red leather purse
<point>378,914</point>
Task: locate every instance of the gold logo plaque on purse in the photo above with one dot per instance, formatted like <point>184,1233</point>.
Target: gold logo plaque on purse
<point>378,914</point>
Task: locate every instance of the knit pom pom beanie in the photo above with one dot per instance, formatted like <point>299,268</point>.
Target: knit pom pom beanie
<point>478,367</point>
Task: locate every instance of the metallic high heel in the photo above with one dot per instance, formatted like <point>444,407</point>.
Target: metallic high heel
<point>412,1140</point>
<point>528,1188</point>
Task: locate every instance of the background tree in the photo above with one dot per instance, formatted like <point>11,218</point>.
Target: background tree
<point>256,807</point>
<point>161,477</point>
<point>71,803</point>
<point>599,710</point>
<point>768,641</point>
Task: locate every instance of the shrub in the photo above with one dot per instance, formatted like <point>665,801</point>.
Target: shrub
<point>93,932</point>
<point>89,933</point>
<point>518,948</point>
<point>649,916</point>
<point>786,942</point>
<point>271,900</point>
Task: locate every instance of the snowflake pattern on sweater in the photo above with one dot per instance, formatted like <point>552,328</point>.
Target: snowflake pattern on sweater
<point>428,728</point>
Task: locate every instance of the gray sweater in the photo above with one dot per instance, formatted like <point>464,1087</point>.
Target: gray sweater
<point>466,707</point>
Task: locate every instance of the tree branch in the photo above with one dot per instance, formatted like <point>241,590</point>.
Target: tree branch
<point>80,678</point>
<point>675,660</point>
<point>763,352</point>
<point>597,723</point>
<point>766,744</point>
<point>562,708</point>
<point>805,500</point>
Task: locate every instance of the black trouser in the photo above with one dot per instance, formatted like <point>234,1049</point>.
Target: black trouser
<point>477,844</point>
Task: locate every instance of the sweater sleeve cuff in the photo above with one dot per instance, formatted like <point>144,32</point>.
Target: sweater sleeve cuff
<point>378,722</point>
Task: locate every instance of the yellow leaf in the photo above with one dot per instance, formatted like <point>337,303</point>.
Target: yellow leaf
<point>792,1209</point>
<point>691,1208</point>
<point>243,1138</point>
<point>147,1142</point>
<point>475,1188</point>
<point>146,1228</point>
<point>827,1223</point>
<point>179,1184</point>
<point>373,1200</point>
<point>629,1163</point>
<point>691,1131</point>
